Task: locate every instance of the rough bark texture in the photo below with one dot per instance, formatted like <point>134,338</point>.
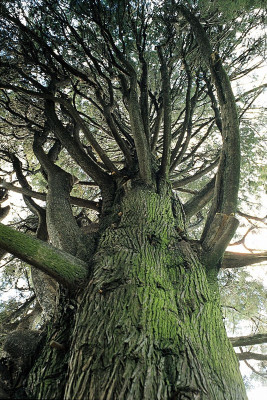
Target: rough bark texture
<point>149,324</point>
<point>60,265</point>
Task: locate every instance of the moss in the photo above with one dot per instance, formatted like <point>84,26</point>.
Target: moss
<point>61,265</point>
<point>148,325</point>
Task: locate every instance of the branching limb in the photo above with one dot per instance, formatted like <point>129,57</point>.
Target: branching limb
<point>62,227</point>
<point>87,164</point>
<point>254,370</point>
<point>227,182</point>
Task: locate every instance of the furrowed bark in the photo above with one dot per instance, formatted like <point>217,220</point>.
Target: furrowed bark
<point>65,268</point>
<point>148,325</point>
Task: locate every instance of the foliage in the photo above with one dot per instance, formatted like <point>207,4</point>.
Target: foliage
<point>97,95</point>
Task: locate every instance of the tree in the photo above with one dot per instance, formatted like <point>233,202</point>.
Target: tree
<point>132,100</point>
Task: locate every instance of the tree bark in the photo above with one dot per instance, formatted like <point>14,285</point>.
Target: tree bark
<point>148,324</point>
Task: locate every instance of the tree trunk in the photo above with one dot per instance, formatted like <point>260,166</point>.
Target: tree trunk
<point>148,324</point>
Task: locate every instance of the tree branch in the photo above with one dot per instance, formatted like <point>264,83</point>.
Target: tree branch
<point>222,229</point>
<point>227,182</point>
<point>199,174</point>
<point>166,90</point>
<point>238,260</point>
<point>247,355</point>
<point>249,340</point>
<point>62,266</point>
<point>42,196</point>
<point>197,202</point>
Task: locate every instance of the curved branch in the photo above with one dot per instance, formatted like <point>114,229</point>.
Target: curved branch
<point>227,182</point>
<point>199,174</point>
<point>221,230</point>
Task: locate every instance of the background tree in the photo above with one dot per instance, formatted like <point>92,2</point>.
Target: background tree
<point>116,113</point>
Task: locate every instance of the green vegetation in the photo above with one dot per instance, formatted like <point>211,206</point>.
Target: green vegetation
<point>132,145</point>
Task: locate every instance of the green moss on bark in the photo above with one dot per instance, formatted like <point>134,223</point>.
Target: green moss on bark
<point>149,326</point>
<point>62,266</point>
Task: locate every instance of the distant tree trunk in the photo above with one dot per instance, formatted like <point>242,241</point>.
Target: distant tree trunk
<point>149,323</point>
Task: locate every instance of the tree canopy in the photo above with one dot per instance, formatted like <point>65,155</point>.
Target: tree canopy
<point>97,96</point>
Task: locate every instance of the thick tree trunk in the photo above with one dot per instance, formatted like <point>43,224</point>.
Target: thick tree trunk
<point>149,323</point>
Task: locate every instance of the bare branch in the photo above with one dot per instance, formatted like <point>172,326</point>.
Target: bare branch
<point>238,260</point>
<point>260,219</point>
<point>42,196</point>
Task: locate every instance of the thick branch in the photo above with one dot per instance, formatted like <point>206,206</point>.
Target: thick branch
<point>238,260</point>
<point>249,340</point>
<point>166,90</point>
<point>227,182</point>
<point>65,268</point>
<point>247,355</point>
<point>140,139</point>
